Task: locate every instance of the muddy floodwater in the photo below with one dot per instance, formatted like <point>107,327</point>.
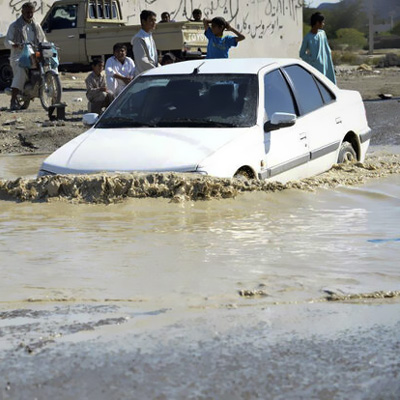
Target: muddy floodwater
<point>271,293</point>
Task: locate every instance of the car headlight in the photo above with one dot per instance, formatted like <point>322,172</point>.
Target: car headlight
<point>200,172</point>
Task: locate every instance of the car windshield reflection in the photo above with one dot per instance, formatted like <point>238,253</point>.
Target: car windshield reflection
<point>217,100</point>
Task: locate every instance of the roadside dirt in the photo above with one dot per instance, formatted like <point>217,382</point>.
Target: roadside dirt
<point>31,131</point>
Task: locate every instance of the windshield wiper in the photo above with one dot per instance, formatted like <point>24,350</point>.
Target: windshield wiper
<point>122,122</point>
<point>194,122</point>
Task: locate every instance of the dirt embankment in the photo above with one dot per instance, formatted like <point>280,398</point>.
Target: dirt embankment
<point>30,131</point>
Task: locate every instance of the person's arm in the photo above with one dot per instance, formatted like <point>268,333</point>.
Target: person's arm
<point>239,36</point>
<point>304,50</point>
<point>9,39</point>
<point>132,67</point>
<point>125,79</point>
<point>40,34</point>
<point>206,23</point>
<point>91,87</point>
<point>140,52</point>
<point>109,70</point>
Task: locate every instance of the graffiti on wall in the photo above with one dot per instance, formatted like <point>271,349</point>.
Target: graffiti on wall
<point>256,19</point>
<point>265,19</point>
<point>16,5</point>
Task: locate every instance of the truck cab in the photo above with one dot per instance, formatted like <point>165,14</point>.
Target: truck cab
<point>67,22</point>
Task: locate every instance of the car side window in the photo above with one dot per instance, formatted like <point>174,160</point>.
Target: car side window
<point>306,90</point>
<point>64,17</point>
<point>325,92</point>
<point>277,95</point>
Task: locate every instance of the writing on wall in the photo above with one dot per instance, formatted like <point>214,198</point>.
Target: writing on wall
<point>254,18</point>
<point>15,6</point>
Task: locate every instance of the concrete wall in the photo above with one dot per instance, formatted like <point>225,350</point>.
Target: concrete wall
<point>273,28</point>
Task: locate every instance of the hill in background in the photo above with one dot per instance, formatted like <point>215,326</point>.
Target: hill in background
<point>384,10</point>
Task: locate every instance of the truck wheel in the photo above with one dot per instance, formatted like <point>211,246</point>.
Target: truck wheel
<point>6,73</point>
<point>50,90</point>
<point>346,153</point>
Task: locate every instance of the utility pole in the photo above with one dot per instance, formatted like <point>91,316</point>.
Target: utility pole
<point>371,28</point>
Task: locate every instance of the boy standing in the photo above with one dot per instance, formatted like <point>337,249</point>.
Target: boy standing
<point>96,90</point>
<point>219,45</point>
<point>315,49</point>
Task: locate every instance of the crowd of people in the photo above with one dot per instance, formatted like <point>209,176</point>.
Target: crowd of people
<point>120,69</point>
<point>107,80</point>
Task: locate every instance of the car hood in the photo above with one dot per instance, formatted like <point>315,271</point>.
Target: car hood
<point>133,149</point>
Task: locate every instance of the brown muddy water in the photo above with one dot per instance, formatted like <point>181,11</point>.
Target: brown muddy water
<point>269,292</point>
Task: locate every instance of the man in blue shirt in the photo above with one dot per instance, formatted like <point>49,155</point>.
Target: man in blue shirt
<point>219,45</point>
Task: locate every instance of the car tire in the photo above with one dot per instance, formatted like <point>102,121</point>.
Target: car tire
<point>243,175</point>
<point>346,153</point>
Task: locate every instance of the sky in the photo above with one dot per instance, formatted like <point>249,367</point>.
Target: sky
<point>316,3</point>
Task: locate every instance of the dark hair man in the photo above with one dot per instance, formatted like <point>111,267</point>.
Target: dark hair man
<point>144,48</point>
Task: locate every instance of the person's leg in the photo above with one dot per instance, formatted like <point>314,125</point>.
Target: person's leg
<point>14,102</point>
<point>95,107</point>
<point>18,83</point>
<point>108,99</point>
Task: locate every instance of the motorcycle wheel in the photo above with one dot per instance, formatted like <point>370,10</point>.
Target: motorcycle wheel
<point>50,90</point>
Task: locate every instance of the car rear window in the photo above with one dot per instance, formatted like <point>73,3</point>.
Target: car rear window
<point>326,94</point>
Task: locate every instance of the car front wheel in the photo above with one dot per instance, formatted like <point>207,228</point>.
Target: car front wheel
<point>346,153</point>
<point>243,175</point>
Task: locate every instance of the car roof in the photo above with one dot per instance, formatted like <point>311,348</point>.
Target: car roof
<point>224,66</point>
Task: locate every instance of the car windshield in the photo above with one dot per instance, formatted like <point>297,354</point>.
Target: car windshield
<point>218,100</point>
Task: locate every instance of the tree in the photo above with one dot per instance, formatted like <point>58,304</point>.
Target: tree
<point>306,29</point>
<point>396,29</point>
<point>349,38</point>
<point>345,14</point>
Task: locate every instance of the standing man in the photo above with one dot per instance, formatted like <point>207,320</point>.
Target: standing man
<point>120,69</point>
<point>315,49</point>
<point>24,29</point>
<point>144,48</point>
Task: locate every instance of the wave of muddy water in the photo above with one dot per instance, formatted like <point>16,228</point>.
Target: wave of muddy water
<point>111,188</point>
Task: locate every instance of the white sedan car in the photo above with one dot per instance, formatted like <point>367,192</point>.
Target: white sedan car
<point>275,119</point>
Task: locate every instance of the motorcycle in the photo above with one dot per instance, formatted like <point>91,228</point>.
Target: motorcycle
<point>43,78</point>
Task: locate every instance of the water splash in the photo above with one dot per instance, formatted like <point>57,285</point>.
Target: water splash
<point>111,188</point>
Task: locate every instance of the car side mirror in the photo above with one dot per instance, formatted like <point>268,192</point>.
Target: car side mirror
<point>280,120</point>
<point>90,119</point>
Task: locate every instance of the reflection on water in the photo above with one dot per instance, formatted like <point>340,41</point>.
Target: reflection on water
<point>292,244</point>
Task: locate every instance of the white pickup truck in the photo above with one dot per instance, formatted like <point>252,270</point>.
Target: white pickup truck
<point>86,29</point>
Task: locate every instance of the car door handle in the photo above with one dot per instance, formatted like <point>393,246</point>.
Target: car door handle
<point>338,120</point>
<point>303,136</point>
<point>71,36</point>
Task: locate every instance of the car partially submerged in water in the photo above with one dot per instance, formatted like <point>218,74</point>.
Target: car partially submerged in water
<point>275,119</point>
